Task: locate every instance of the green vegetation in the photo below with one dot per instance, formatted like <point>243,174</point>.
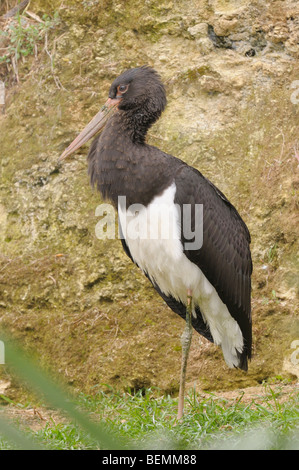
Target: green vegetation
<point>23,36</point>
<point>209,422</point>
<point>145,421</point>
<point>142,420</point>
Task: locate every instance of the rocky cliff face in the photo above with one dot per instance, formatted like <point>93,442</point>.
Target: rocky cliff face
<point>232,79</point>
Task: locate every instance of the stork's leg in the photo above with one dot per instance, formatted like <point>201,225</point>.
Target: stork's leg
<point>186,342</point>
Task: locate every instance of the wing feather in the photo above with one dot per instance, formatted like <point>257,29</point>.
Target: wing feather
<point>224,257</point>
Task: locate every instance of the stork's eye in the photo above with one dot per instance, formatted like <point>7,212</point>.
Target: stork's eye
<point>122,88</point>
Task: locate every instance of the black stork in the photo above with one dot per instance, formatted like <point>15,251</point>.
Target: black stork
<point>206,281</point>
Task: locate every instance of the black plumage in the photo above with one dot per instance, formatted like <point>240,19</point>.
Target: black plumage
<point>121,163</point>
<point>120,156</point>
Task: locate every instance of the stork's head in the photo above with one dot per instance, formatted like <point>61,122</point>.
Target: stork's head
<point>139,89</point>
<point>138,93</point>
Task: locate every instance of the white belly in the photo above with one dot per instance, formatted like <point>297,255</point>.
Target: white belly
<point>152,234</point>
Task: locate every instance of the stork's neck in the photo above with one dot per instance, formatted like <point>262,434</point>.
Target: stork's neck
<point>135,123</point>
<point>121,165</point>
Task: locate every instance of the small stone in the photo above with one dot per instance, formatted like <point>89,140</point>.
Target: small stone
<point>198,30</point>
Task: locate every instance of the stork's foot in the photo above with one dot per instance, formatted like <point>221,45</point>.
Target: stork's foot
<point>186,343</point>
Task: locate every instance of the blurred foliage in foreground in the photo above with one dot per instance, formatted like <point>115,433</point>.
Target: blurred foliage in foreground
<point>145,420</point>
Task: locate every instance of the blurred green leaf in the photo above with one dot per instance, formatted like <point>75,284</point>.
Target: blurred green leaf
<point>18,439</point>
<point>31,374</point>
